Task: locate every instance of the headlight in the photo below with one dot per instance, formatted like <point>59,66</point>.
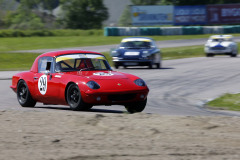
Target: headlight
<point>93,85</point>
<point>115,58</point>
<point>114,53</point>
<point>145,53</point>
<point>140,82</point>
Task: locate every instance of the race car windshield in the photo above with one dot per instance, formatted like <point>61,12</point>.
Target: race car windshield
<point>81,62</point>
<point>135,44</point>
<point>221,40</point>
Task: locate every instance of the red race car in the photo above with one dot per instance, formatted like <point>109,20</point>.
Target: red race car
<point>80,79</point>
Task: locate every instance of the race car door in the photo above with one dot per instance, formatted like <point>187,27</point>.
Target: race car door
<point>45,83</point>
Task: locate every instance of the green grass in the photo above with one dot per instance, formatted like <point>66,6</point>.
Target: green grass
<point>226,102</point>
<point>29,43</point>
<point>16,61</point>
<point>182,52</point>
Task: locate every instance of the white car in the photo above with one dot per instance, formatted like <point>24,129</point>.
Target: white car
<point>221,45</point>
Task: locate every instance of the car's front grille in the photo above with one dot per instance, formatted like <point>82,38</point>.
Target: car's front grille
<point>121,97</point>
<point>218,48</point>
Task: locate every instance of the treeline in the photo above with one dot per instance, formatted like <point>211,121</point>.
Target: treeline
<point>72,14</point>
<point>39,14</point>
<point>47,32</point>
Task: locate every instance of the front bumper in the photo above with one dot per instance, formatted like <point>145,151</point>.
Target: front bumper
<point>214,51</point>
<point>114,98</point>
<point>124,62</point>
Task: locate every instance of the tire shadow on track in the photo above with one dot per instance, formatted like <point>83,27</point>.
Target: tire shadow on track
<point>91,110</point>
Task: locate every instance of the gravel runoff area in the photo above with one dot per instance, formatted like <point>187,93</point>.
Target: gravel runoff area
<point>68,135</point>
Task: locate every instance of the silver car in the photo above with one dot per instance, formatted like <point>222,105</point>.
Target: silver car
<point>221,45</point>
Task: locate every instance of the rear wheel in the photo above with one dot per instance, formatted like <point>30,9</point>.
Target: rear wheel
<point>24,96</point>
<point>74,99</point>
<point>136,107</point>
<point>209,55</point>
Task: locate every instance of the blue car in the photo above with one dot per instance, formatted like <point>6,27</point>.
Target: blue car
<point>137,51</point>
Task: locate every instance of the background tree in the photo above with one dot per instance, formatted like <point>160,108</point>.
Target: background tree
<point>24,17</point>
<point>84,14</point>
<point>5,5</point>
<point>43,9</point>
<point>125,19</point>
<point>145,2</point>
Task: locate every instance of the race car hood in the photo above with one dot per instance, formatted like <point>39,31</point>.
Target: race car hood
<point>111,80</point>
<point>103,75</point>
<point>219,44</point>
<point>133,52</point>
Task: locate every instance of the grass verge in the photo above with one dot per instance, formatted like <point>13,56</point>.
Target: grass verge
<point>30,43</point>
<point>182,52</point>
<point>16,61</point>
<point>226,102</point>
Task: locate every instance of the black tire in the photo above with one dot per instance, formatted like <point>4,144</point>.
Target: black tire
<point>158,65</point>
<point>233,55</point>
<point>24,96</point>
<point>136,107</point>
<point>209,55</point>
<point>116,66</point>
<point>150,65</point>
<point>74,99</point>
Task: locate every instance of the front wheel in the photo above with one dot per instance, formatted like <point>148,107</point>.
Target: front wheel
<point>116,66</point>
<point>74,99</point>
<point>158,65</point>
<point>150,65</point>
<point>233,54</point>
<point>209,55</point>
<point>136,107</point>
<point>24,96</point>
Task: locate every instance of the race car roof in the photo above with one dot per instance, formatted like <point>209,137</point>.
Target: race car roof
<point>63,52</point>
<point>58,53</point>
<point>145,39</point>
<point>221,37</point>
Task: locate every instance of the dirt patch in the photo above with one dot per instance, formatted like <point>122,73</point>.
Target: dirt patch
<point>92,136</point>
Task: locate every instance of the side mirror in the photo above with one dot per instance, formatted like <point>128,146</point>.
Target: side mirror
<point>57,71</point>
<point>47,72</point>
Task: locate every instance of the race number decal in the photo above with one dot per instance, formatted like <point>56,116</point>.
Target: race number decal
<point>42,84</point>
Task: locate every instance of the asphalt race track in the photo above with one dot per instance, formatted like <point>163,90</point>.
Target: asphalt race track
<point>179,88</point>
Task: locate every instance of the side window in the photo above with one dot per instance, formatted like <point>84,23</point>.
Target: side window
<point>98,64</point>
<point>44,64</point>
<point>153,44</point>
